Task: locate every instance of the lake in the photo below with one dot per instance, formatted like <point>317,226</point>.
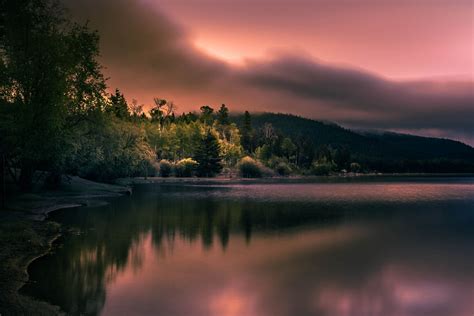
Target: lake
<point>398,246</point>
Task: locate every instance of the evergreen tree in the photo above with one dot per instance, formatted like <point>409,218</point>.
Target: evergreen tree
<point>118,105</point>
<point>223,115</point>
<point>247,133</point>
<point>208,157</point>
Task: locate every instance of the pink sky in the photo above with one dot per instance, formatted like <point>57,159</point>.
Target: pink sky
<point>396,39</point>
<point>404,65</point>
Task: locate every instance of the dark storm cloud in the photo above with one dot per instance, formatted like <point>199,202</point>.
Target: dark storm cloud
<point>146,53</point>
<point>403,105</point>
<point>142,47</point>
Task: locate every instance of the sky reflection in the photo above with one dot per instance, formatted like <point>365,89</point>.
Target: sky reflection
<point>198,251</point>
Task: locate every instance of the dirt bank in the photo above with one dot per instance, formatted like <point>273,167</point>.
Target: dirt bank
<point>26,234</point>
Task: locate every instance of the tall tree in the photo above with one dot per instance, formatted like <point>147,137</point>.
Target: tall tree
<point>247,133</point>
<point>49,79</point>
<point>206,114</point>
<point>208,156</point>
<point>118,105</point>
<point>288,148</point>
<point>223,115</point>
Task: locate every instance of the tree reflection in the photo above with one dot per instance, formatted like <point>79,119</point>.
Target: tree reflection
<point>111,237</point>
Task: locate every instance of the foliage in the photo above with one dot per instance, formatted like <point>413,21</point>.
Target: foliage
<point>247,132</point>
<point>355,167</point>
<point>56,116</point>
<point>166,168</point>
<point>185,167</point>
<point>208,156</point>
<point>322,168</point>
<point>250,168</point>
<point>283,169</point>
<point>60,85</point>
<point>223,115</point>
<point>110,149</point>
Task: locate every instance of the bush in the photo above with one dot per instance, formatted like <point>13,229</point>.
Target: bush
<point>280,165</point>
<point>283,169</point>
<point>165,168</point>
<point>355,167</point>
<point>322,168</point>
<point>250,168</point>
<point>185,167</point>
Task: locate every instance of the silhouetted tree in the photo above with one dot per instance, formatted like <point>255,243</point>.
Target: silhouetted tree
<point>223,115</point>
<point>156,113</point>
<point>206,114</point>
<point>118,105</point>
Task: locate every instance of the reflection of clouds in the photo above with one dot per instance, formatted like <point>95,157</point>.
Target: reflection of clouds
<point>310,258</point>
<point>232,302</point>
<point>397,292</point>
<point>345,271</point>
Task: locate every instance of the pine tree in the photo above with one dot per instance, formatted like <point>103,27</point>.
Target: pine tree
<point>118,105</point>
<point>208,157</point>
<point>247,133</point>
<point>223,115</point>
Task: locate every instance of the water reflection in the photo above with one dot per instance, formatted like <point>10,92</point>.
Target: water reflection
<point>273,249</point>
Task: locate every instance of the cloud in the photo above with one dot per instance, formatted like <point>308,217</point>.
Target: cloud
<point>385,103</point>
<point>147,54</point>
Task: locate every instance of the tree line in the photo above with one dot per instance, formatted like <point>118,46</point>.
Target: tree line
<point>58,118</point>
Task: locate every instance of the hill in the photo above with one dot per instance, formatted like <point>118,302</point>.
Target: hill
<point>381,150</point>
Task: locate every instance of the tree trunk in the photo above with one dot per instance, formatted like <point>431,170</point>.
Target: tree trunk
<point>3,193</point>
<point>26,177</point>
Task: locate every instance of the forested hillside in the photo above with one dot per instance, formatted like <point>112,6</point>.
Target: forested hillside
<point>373,148</point>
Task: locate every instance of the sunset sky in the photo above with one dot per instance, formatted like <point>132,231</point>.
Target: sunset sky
<point>401,65</point>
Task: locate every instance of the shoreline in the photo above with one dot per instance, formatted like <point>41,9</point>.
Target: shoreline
<point>26,235</point>
<point>157,180</point>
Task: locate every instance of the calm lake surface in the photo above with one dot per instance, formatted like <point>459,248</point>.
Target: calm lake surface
<point>385,246</point>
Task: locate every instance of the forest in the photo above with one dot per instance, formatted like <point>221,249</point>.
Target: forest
<point>58,117</point>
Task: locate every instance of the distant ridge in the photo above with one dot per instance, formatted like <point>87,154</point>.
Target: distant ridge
<point>369,146</point>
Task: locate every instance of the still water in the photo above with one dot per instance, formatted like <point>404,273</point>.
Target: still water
<point>385,246</point>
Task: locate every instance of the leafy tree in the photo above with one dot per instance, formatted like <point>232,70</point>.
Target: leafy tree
<point>288,148</point>
<point>50,80</point>
<point>342,158</point>
<point>206,114</point>
<point>229,143</point>
<point>306,150</point>
<point>208,156</point>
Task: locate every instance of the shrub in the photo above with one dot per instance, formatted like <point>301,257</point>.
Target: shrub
<point>280,165</point>
<point>165,168</point>
<point>185,167</point>
<point>322,168</point>
<point>250,168</point>
<point>355,167</point>
<point>283,169</point>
